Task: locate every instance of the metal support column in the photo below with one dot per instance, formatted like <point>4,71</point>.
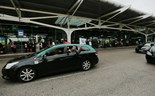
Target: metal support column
<point>146,36</point>
<point>69,33</point>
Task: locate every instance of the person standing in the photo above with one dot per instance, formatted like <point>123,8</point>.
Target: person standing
<point>12,46</point>
<point>25,46</point>
<point>33,46</point>
<point>90,43</point>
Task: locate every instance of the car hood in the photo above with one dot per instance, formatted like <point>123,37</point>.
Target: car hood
<point>145,48</point>
<point>21,58</point>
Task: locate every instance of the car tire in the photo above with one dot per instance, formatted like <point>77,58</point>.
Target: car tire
<point>86,65</point>
<point>149,61</point>
<point>26,74</point>
<point>137,51</point>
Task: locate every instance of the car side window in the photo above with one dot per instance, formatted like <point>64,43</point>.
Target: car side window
<point>55,52</point>
<point>84,48</point>
<point>72,49</point>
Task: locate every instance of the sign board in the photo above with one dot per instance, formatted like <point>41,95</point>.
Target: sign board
<point>82,40</point>
<point>20,33</point>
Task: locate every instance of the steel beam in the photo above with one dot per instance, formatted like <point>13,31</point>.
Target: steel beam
<point>135,19</point>
<point>17,9</point>
<point>77,2</point>
<point>153,23</point>
<point>47,25</point>
<point>70,17</point>
<point>118,11</point>
<point>142,17</point>
<point>45,17</point>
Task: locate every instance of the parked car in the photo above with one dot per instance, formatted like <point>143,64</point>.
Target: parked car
<point>138,47</point>
<point>55,59</point>
<point>150,55</point>
<point>143,48</point>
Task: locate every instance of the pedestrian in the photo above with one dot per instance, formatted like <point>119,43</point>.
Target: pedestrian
<point>53,43</point>
<point>30,46</point>
<point>33,46</point>
<point>13,47</point>
<point>90,43</point>
<point>25,46</point>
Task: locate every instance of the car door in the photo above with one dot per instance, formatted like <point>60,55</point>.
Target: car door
<point>71,60</point>
<point>52,61</point>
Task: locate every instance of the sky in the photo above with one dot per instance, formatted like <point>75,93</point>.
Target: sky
<point>144,6</point>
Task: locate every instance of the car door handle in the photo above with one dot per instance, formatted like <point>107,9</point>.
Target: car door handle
<point>64,58</point>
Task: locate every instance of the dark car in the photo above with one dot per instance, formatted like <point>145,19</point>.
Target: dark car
<point>55,59</point>
<point>143,48</point>
<point>138,47</point>
<point>150,55</point>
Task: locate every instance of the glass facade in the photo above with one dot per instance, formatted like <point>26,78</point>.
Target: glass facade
<point>109,38</point>
<point>100,38</point>
<point>30,33</point>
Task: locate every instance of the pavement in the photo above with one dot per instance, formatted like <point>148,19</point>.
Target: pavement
<point>120,72</point>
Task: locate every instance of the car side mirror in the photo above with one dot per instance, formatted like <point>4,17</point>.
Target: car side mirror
<point>44,57</point>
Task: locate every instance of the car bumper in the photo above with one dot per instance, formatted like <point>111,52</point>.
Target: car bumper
<point>95,60</point>
<point>150,58</point>
<point>8,74</point>
<point>137,50</point>
<point>142,51</point>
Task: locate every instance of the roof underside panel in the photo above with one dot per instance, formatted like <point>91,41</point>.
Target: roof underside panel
<point>126,15</point>
<point>88,8</point>
<point>94,8</point>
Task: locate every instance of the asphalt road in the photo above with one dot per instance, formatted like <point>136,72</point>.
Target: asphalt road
<point>120,72</point>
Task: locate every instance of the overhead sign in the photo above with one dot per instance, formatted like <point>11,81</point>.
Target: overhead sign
<point>20,33</point>
<point>82,40</point>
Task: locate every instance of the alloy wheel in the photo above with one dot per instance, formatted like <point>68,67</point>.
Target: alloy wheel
<point>86,65</point>
<point>27,74</point>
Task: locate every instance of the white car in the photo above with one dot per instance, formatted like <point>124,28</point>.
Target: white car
<point>146,47</point>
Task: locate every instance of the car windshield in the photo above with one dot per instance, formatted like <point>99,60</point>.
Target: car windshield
<point>147,45</point>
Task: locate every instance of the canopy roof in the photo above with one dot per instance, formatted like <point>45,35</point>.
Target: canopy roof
<point>75,14</point>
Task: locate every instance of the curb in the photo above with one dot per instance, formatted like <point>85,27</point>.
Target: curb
<point>12,55</point>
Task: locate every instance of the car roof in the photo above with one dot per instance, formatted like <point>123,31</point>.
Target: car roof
<point>65,45</point>
<point>150,43</point>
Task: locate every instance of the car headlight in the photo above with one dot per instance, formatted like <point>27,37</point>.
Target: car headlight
<point>9,65</point>
<point>149,53</point>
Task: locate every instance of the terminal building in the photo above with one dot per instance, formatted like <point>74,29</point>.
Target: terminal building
<point>103,23</point>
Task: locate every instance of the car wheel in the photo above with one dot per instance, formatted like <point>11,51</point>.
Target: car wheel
<point>26,74</point>
<point>86,65</point>
<point>149,61</point>
<point>137,51</point>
